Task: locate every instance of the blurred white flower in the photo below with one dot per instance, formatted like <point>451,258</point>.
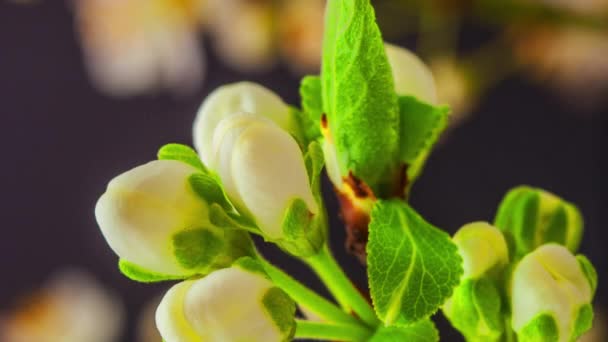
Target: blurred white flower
<point>243,33</point>
<point>300,38</point>
<point>138,46</point>
<point>572,60</point>
<point>71,307</point>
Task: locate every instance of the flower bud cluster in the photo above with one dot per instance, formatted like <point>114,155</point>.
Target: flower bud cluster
<point>182,218</point>
<point>537,292</point>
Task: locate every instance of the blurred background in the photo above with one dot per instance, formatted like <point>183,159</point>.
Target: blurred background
<point>91,88</point>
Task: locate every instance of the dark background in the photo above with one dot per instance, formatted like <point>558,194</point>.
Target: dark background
<point>62,141</point>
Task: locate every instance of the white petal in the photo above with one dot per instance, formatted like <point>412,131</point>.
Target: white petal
<point>227,306</point>
<point>171,321</point>
<point>482,248</point>
<point>268,171</point>
<point>234,98</point>
<point>411,75</point>
<point>549,280</point>
<point>143,208</point>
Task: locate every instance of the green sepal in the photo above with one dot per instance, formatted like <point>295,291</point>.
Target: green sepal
<point>251,265</point>
<point>475,309</point>
<point>206,249</point>
<point>420,127</point>
<point>583,321</point>
<point>282,309</point>
<point>309,118</point>
<point>181,153</point>
<point>589,272</point>
<point>530,217</point>
<point>542,328</point>
<point>421,331</point>
<point>197,248</point>
<point>209,188</point>
<point>413,267</point>
<point>231,220</point>
<point>358,95</point>
<point>142,275</point>
<point>303,232</point>
<point>314,161</point>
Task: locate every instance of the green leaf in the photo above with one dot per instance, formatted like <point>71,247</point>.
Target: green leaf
<point>182,153</point>
<point>309,118</point>
<point>208,188</point>
<point>421,125</point>
<point>359,98</point>
<point>142,275</point>
<point>413,267</point>
<point>422,331</point>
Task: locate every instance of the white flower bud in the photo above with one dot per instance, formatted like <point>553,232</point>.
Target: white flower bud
<point>143,211</point>
<point>482,248</point>
<point>234,98</point>
<point>531,217</point>
<point>550,297</point>
<point>262,170</point>
<point>232,304</point>
<point>475,308</point>
<point>410,74</point>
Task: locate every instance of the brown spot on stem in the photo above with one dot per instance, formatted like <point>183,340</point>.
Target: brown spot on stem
<point>355,221</point>
<point>359,188</point>
<point>324,121</point>
<point>401,182</point>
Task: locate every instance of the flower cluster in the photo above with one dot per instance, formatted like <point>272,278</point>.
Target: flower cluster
<point>372,118</point>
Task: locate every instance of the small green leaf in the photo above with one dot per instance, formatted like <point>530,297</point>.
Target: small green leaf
<point>413,267</point>
<point>208,188</point>
<point>421,125</point>
<point>140,274</point>
<point>182,153</point>
<point>422,331</point>
<point>282,310</point>
<point>309,118</point>
<point>359,98</point>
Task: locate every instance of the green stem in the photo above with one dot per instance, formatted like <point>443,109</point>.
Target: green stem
<point>307,298</point>
<point>347,295</point>
<point>329,331</point>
